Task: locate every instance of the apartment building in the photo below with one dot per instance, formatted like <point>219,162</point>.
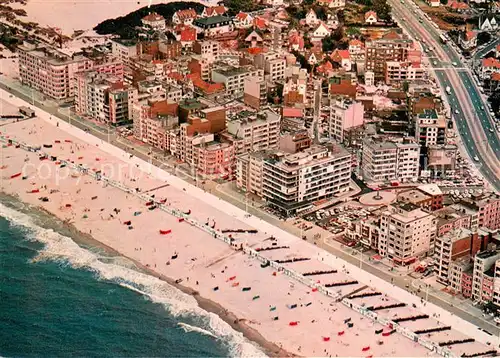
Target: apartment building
<point>293,182</point>
<point>233,78</point>
<point>152,120</point>
<point>208,50</point>
<point>484,274</point>
<point>430,128</point>
<point>484,210</point>
<point>250,132</point>
<point>452,246</point>
<point>489,211</point>
<point>124,50</point>
<point>496,284</point>
<point>49,70</point>
<point>402,71</point>
<point>214,159</point>
<point>391,47</point>
<point>406,233</point>
<point>366,231</point>
<point>450,218</point>
<point>294,141</point>
<point>345,114</point>
<point>273,64</point>
<point>249,171</point>
<point>460,276</point>
<point>104,97</point>
<point>390,160</point>
<point>428,197</point>
<point>255,92</point>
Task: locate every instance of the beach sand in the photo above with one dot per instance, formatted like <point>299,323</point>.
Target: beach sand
<point>47,220</point>
<point>72,15</point>
<point>203,262</point>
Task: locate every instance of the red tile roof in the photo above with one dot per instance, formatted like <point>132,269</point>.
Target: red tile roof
<point>495,76</point>
<point>255,50</point>
<point>242,16</point>
<point>457,5</point>
<point>260,23</point>
<point>153,17</point>
<point>491,62</point>
<point>340,54</point>
<point>356,42</point>
<point>186,14</point>
<point>215,10</point>
<point>469,35</point>
<point>369,14</point>
<point>188,34</point>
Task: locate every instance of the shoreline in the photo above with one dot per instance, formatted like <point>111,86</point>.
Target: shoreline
<point>86,241</point>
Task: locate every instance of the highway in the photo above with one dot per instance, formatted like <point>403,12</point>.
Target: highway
<point>468,108</point>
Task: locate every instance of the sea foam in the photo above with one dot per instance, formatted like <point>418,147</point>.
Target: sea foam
<point>65,251</point>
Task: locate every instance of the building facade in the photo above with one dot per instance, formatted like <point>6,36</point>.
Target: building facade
<point>406,233</point>
<point>293,182</point>
<point>49,70</point>
<point>386,160</point>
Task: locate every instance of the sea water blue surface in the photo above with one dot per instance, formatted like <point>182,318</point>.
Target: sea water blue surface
<point>60,299</point>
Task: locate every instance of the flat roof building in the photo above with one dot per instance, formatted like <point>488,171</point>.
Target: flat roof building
<point>293,182</point>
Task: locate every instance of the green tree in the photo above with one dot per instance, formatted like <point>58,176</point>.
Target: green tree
<point>406,86</point>
<point>383,9</point>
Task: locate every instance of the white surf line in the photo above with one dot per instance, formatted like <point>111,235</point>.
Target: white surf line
<point>397,293</point>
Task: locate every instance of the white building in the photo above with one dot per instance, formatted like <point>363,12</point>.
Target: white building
<point>275,69</point>
<point>344,115</point>
<point>243,20</point>
<point>371,18</point>
<point>249,169</point>
<point>124,49</point>
<point>234,78</point>
<point>311,18</point>
<point>320,32</point>
<point>185,17</point>
<point>385,160</point>
<point>406,233</point>
<point>401,71</point>
<point>154,21</point>
<point>254,132</point>
<point>293,182</point>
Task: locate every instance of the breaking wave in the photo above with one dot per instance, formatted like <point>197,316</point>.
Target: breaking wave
<point>62,249</point>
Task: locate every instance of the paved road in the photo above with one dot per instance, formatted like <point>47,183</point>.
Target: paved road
<point>484,51</point>
<point>473,123</point>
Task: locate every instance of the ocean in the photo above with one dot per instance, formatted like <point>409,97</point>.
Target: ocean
<point>63,298</point>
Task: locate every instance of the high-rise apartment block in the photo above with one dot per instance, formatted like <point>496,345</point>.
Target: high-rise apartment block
<point>406,233</point>
<point>293,182</point>
<point>49,70</point>
<point>390,160</point>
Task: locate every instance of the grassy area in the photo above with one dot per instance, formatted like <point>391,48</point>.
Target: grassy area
<point>446,20</point>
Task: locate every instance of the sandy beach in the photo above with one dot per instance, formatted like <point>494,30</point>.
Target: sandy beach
<point>287,314</point>
<point>73,15</point>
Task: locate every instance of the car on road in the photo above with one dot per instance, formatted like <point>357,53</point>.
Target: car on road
<point>476,158</point>
<point>491,130</point>
<point>456,111</point>
<point>482,108</point>
<point>435,63</point>
<point>454,64</point>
